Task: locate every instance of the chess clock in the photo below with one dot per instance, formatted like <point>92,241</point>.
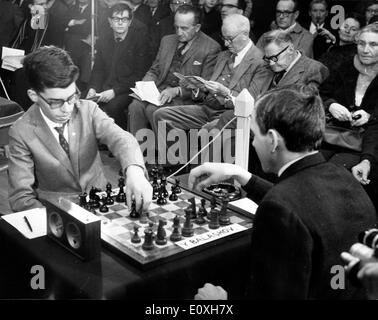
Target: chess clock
<point>74,228</point>
<point>223,189</point>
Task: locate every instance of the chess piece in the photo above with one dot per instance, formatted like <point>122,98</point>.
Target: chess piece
<point>103,207</point>
<point>187,230</point>
<point>164,186</point>
<point>224,219</point>
<point>83,200</point>
<point>136,238</point>
<point>176,236</point>
<point>161,236</point>
<point>161,199</point>
<point>214,218</point>
<point>148,239</point>
<point>155,191</point>
<point>177,186</point>
<point>200,217</point>
<point>133,213</point>
<point>108,187</point>
<point>143,217</point>
<point>109,199</point>
<point>94,199</point>
<point>173,196</point>
<point>121,196</point>
<point>192,208</point>
<point>203,208</point>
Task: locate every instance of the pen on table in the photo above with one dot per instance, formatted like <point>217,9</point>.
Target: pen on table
<point>28,223</point>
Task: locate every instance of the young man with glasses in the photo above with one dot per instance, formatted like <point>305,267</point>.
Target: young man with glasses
<point>53,148</point>
<point>286,20</point>
<point>120,61</point>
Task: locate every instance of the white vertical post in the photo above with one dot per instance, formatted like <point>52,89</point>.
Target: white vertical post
<point>244,104</point>
<point>93,18</point>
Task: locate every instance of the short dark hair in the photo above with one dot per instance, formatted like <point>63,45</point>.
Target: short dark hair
<point>296,112</point>
<point>294,1</point>
<point>318,2</point>
<point>278,37</point>
<point>356,16</point>
<point>50,67</point>
<point>187,8</point>
<point>119,8</point>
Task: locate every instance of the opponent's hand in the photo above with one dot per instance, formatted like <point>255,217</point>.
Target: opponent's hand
<point>211,292</point>
<point>137,187</point>
<point>361,172</point>
<point>362,120</point>
<point>168,94</point>
<point>326,33</point>
<point>91,93</point>
<point>106,96</point>
<point>368,276</point>
<point>217,88</point>
<point>339,112</point>
<point>209,173</point>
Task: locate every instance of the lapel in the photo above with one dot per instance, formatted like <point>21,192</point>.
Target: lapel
<point>43,132</point>
<point>74,130</point>
<point>295,73</point>
<point>373,87</point>
<point>193,48</point>
<point>171,49</point>
<point>302,164</point>
<point>349,76</point>
<point>220,65</point>
<point>244,66</point>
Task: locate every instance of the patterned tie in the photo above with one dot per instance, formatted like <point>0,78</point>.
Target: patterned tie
<point>181,49</point>
<point>277,77</point>
<point>62,140</point>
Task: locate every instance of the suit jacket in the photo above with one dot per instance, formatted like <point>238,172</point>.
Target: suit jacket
<point>81,30</point>
<point>340,88</point>
<point>301,226</point>
<point>39,167</point>
<point>302,40</point>
<point>304,71</point>
<point>119,69</point>
<point>199,60</point>
<point>143,14</point>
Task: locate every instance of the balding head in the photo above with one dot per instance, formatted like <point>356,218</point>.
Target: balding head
<point>235,32</point>
<point>236,23</point>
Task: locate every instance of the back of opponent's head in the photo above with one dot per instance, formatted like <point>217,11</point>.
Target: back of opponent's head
<point>50,67</point>
<point>296,112</point>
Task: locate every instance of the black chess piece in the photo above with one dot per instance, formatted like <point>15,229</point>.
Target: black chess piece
<point>224,219</point>
<point>163,183</point>
<point>143,217</point>
<point>121,196</point>
<point>161,200</point>
<point>187,230</point>
<point>83,200</point>
<point>200,217</point>
<point>155,191</point>
<point>103,207</point>
<point>94,199</point>
<point>173,196</point>
<point>109,187</point>
<point>214,218</point>
<point>148,239</point>
<point>109,199</point>
<point>202,208</point>
<point>177,186</point>
<point>192,208</point>
<point>161,236</point>
<point>134,214</point>
<point>176,235</point>
<point>136,238</point>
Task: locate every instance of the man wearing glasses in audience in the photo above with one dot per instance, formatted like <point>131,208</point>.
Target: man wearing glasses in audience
<point>120,61</point>
<point>53,148</point>
<point>286,20</point>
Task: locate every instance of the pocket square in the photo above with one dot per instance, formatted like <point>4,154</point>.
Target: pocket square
<point>197,63</point>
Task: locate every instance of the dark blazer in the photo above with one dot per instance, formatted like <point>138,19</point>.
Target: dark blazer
<point>81,30</point>
<point>143,14</point>
<point>118,66</point>
<point>340,88</point>
<point>301,226</point>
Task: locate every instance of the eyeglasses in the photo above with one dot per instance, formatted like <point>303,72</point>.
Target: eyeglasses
<point>123,20</point>
<point>229,40</point>
<point>372,11</point>
<point>275,57</point>
<point>180,2</point>
<point>229,6</point>
<point>58,103</point>
<point>285,14</point>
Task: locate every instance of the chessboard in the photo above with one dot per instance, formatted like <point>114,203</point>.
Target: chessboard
<point>184,224</point>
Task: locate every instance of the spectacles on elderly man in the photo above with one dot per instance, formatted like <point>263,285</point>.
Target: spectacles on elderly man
<point>58,103</point>
<point>285,14</point>
<point>275,57</point>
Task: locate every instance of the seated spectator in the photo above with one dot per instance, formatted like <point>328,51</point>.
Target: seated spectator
<point>320,27</point>
<point>350,97</point>
<point>235,70</point>
<point>189,52</point>
<point>345,48</point>
<point>371,10</point>
<point>141,11</point>
<point>120,61</point>
<point>286,20</point>
<point>308,217</point>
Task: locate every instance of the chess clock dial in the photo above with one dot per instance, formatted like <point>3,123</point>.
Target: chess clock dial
<point>56,224</point>
<point>223,189</point>
<point>73,235</point>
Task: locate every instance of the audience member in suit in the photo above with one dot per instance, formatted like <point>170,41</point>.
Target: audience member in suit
<point>120,61</point>
<point>53,148</point>
<point>345,49</point>
<point>211,21</point>
<point>158,12</point>
<point>189,52</point>
<point>308,217</point>
<point>141,11</point>
<point>77,30</point>
<point>320,27</point>
<point>353,90</point>
<point>286,20</point>
<point>241,66</point>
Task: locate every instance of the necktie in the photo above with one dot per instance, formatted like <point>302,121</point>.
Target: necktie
<point>81,9</point>
<point>181,49</point>
<point>277,77</point>
<point>231,60</point>
<point>62,140</point>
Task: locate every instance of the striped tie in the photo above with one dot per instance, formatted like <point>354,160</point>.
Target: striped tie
<point>62,140</point>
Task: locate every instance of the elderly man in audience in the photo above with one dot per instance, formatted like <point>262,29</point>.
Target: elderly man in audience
<point>286,20</point>
<point>120,61</point>
<point>189,52</point>
<point>234,71</point>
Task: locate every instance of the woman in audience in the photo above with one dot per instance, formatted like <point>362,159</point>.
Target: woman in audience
<point>350,96</point>
<point>345,48</point>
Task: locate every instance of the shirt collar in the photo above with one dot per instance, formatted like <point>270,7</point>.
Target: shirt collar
<point>291,28</point>
<point>122,38</point>
<point>240,55</point>
<point>50,124</point>
<point>287,165</point>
